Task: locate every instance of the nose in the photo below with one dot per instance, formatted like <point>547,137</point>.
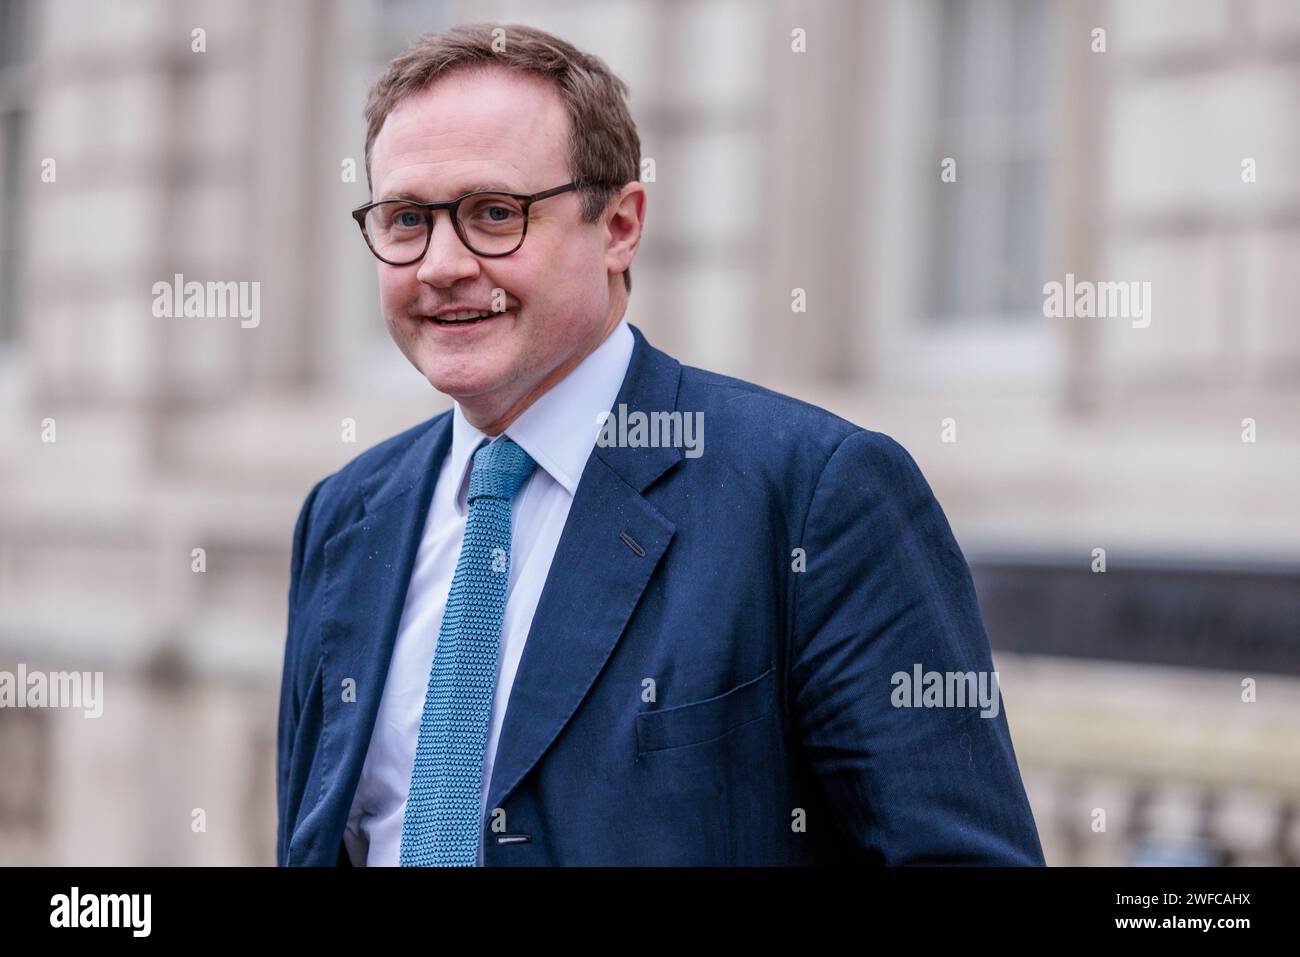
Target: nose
<point>446,260</point>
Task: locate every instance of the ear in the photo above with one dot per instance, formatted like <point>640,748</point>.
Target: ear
<point>624,221</point>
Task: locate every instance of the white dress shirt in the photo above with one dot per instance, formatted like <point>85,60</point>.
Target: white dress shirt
<point>559,431</point>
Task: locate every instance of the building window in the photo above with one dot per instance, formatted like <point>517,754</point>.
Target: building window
<point>988,230</point>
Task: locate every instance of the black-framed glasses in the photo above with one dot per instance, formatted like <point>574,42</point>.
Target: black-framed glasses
<point>488,222</point>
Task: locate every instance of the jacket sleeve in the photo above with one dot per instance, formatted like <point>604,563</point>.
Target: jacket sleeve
<point>289,703</point>
<point>886,589</point>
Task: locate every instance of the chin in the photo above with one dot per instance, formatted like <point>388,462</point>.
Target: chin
<point>460,385</point>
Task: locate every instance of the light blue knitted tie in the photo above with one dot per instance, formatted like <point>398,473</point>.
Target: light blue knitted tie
<point>442,823</point>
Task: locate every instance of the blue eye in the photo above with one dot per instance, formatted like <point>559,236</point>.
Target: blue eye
<point>493,212</point>
<point>408,219</point>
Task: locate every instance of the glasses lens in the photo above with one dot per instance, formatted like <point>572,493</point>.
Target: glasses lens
<point>397,231</point>
<point>492,222</point>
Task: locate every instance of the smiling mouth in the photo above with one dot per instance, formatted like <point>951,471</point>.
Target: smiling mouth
<point>464,318</point>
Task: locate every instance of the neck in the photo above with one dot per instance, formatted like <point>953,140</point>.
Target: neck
<point>492,418</point>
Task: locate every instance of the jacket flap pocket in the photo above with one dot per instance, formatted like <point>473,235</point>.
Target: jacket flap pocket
<point>706,720</point>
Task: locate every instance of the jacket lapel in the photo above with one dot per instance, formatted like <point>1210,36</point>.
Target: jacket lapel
<point>596,579</point>
<point>367,570</point>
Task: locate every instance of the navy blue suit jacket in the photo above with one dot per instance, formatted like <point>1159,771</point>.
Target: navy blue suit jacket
<point>772,736</point>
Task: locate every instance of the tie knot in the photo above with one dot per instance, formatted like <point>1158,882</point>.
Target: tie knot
<point>500,468</point>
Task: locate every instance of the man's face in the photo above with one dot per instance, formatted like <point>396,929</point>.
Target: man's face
<point>510,131</point>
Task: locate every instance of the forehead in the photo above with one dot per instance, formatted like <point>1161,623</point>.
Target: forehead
<point>471,129</point>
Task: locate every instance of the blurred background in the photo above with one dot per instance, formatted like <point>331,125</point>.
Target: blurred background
<point>773,170</point>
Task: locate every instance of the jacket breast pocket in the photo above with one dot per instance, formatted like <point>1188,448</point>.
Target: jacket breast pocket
<point>701,721</point>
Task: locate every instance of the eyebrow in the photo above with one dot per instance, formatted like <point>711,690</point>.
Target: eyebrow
<point>479,187</point>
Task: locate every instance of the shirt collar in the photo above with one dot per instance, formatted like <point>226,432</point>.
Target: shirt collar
<point>559,429</point>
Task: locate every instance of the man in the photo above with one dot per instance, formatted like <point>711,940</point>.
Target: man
<point>527,632</point>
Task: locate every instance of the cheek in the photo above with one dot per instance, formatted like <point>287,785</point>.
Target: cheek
<point>393,291</point>
<point>563,274</point>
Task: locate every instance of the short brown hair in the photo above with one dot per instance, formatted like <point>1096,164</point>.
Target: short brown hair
<point>604,147</point>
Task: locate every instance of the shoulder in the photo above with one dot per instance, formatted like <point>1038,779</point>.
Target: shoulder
<point>749,421</point>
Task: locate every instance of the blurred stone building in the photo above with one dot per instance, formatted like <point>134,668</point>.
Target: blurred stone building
<point>128,155</point>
